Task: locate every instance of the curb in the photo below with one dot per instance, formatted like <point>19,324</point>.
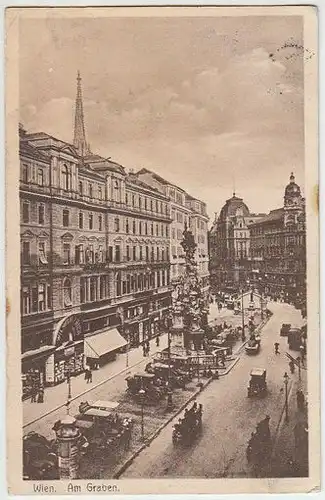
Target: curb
<point>92,387</point>
<point>149,440</point>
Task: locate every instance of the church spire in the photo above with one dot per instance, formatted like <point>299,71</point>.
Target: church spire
<point>79,140</point>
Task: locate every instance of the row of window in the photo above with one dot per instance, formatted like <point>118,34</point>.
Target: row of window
<point>27,175</point>
<point>132,283</point>
<point>146,203</point>
<point>88,255</point>
<point>36,298</point>
<point>26,213</point>
<point>140,227</point>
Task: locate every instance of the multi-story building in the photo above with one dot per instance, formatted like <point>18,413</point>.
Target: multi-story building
<point>278,248</point>
<point>187,210</point>
<point>229,244</point>
<point>94,255</point>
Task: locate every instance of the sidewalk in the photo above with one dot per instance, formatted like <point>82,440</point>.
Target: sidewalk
<point>57,396</point>
<point>290,451</point>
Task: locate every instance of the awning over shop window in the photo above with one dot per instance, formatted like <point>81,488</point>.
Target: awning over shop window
<point>102,343</point>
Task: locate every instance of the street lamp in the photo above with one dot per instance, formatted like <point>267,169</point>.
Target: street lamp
<point>242,315</point>
<point>69,391</point>
<point>286,380</point>
<point>141,395</point>
<point>169,392</point>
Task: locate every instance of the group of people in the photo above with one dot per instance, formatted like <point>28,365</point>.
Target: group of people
<point>146,348</point>
<point>37,393</point>
<point>88,375</point>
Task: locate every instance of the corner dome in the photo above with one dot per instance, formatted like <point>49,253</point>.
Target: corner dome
<point>231,206</point>
<point>292,189</point>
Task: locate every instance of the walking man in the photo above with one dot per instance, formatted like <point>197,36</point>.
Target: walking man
<point>276,348</point>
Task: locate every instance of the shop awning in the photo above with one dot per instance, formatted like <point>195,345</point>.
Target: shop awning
<point>102,343</point>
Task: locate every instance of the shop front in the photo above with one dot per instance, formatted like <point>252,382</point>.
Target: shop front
<point>102,347</point>
<point>68,357</point>
<point>34,369</point>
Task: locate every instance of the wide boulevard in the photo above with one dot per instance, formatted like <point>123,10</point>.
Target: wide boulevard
<point>229,416</point>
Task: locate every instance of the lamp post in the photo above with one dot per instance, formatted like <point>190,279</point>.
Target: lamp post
<point>286,380</point>
<point>242,315</point>
<point>69,391</point>
<point>169,391</point>
<point>120,315</point>
<point>141,394</point>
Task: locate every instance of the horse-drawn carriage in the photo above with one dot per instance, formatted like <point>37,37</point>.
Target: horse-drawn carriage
<point>100,423</point>
<point>188,427</point>
<point>259,445</point>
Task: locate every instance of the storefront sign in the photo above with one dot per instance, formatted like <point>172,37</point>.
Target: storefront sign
<point>69,351</point>
<point>49,369</point>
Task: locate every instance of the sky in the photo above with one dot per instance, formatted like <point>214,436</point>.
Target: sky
<point>211,104</point>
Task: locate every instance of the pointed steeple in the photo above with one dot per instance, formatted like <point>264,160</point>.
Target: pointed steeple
<point>79,140</point>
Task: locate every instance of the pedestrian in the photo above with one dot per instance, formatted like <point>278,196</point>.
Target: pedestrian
<point>158,340</point>
<point>40,398</point>
<point>276,347</point>
<point>144,350</point>
<point>148,347</point>
<point>291,366</point>
<point>33,393</point>
<point>90,376</point>
<point>300,400</point>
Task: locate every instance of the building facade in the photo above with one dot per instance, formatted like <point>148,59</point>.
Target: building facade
<point>95,256</point>
<point>229,244</point>
<point>278,249</point>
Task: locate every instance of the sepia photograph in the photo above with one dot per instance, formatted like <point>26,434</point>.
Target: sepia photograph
<point>162,250</point>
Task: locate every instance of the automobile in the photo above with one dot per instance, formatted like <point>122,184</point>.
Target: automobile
<point>101,425</point>
<point>40,460</point>
<point>285,329</point>
<point>252,347</point>
<point>148,383</point>
<point>257,384</point>
<point>294,338</point>
<point>237,310</point>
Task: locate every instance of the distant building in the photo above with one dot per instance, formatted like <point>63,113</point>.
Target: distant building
<point>229,244</point>
<point>278,248</point>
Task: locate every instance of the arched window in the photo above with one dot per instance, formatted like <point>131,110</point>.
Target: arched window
<point>90,190</point>
<point>80,188</point>
<point>66,177</point>
<point>67,292</point>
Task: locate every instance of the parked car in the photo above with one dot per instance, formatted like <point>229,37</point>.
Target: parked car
<point>285,329</point>
<point>294,338</point>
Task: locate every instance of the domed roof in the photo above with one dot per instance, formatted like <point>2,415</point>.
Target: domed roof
<point>231,206</point>
<point>292,188</point>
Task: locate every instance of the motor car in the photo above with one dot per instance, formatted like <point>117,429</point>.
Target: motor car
<point>257,384</point>
<point>294,338</point>
<point>252,347</point>
<point>285,329</point>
